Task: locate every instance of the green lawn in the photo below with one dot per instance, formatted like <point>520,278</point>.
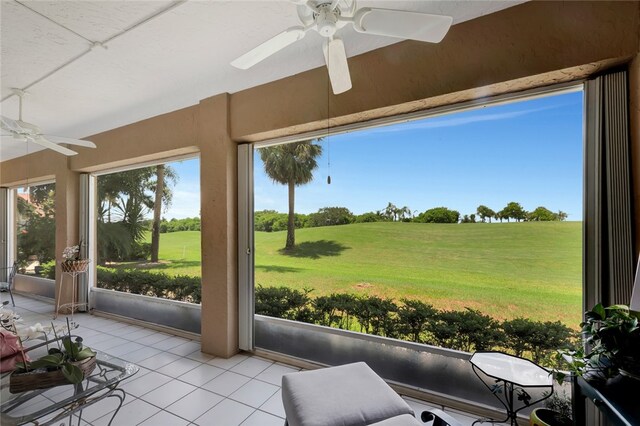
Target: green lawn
<point>505,270</point>
<point>179,253</point>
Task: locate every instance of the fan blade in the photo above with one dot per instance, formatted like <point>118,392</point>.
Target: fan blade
<point>269,47</point>
<point>70,141</point>
<point>402,24</point>
<point>45,143</point>
<point>9,125</point>
<point>336,58</point>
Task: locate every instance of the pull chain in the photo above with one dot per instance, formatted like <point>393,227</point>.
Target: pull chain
<point>329,161</point>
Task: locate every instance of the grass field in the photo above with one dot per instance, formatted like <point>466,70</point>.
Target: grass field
<point>506,270</point>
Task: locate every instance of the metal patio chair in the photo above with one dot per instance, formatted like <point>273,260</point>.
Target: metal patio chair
<point>7,285</point>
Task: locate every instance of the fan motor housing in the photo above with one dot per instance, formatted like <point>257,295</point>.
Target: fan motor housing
<point>327,19</point>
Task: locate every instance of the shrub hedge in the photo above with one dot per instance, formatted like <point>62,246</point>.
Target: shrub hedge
<point>158,284</point>
<point>416,321</point>
<point>411,320</point>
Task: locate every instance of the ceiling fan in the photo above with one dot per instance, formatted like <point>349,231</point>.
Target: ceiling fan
<point>22,131</point>
<point>327,16</point>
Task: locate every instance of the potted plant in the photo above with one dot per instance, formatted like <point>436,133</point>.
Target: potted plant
<point>612,339</point>
<point>68,362</point>
<point>73,262</point>
<point>556,412</point>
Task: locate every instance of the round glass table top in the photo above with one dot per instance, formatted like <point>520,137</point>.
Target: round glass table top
<point>511,369</point>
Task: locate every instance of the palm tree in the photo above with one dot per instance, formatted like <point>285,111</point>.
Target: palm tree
<point>391,211</point>
<point>165,177</point>
<point>292,165</point>
<point>157,211</point>
<point>404,212</point>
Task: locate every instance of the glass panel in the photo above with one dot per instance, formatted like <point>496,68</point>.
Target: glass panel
<point>461,231</point>
<point>149,236</point>
<point>36,230</point>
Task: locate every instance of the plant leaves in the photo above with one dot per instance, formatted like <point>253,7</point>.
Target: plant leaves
<point>20,367</point>
<point>599,311</point>
<point>72,373</point>
<point>53,360</point>
<point>84,354</point>
<point>70,347</point>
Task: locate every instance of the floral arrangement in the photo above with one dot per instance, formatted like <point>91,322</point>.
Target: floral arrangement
<point>8,318</point>
<point>71,253</point>
<point>13,333</point>
<point>73,262</point>
<point>65,357</point>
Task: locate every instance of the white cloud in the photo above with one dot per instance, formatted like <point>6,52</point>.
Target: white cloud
<point>451,121</point>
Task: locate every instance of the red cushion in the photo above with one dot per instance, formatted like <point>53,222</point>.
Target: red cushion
<point>10,351</point>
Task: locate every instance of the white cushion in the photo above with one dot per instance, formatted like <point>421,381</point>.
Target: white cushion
<point>348,395</point>
<point>403,420</point>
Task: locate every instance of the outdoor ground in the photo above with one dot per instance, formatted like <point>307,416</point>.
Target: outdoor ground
<point>506,270</point>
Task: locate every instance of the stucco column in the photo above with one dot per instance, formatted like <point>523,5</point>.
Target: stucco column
<point>218,192</point>
<point>67,211</point>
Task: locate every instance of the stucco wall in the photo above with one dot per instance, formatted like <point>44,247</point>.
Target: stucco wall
<point>531,45</point>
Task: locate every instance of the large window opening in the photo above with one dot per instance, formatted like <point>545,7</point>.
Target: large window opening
<point>461,231</point>
<point>148,231</point>
<point>35,230</point>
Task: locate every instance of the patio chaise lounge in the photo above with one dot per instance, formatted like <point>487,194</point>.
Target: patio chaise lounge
<point>348,395</point>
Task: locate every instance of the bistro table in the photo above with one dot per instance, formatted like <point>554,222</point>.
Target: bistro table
<point>104,382</point>
<point>510,377</point>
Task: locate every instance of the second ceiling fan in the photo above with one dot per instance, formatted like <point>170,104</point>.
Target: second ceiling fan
<point>327,17</point>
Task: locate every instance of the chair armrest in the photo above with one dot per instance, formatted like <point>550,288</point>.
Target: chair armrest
<point>439,417</point>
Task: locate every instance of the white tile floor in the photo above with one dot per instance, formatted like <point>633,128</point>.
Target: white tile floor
<point>177,384</point>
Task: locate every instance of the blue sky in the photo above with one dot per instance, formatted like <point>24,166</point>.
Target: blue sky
<point>186,193</point>
<point>529,152</point>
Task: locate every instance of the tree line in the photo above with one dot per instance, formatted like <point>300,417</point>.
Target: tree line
<point>273,221</point>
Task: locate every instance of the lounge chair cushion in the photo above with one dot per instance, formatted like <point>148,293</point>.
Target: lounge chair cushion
<point>348,395</point>
<point>403,420</point>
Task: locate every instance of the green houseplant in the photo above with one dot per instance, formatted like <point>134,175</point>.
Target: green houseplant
<point>67,362</point>
<point>556,412</point>
<point>612,338</point>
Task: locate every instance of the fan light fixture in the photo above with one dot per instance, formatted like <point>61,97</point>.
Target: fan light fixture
<point>26,132</point>
<point>328,17</point>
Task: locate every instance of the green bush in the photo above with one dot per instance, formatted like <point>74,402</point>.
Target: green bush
<point>178,225</point>
<point>466,330</point>
<point>272,221</point>
<point>518,334</point>
<point>331,216</point>
<point>283,302</point>
<point>48,269</point>
<point>158,284</point>
<point>414,317</point>
<point>336,310</point>
<point>370,217</point>
<point>377,316</point>
<point>438,215</point>
<point>140,251</point>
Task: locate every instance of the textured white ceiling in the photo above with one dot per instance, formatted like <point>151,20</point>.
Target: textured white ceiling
<point>168,62</point>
